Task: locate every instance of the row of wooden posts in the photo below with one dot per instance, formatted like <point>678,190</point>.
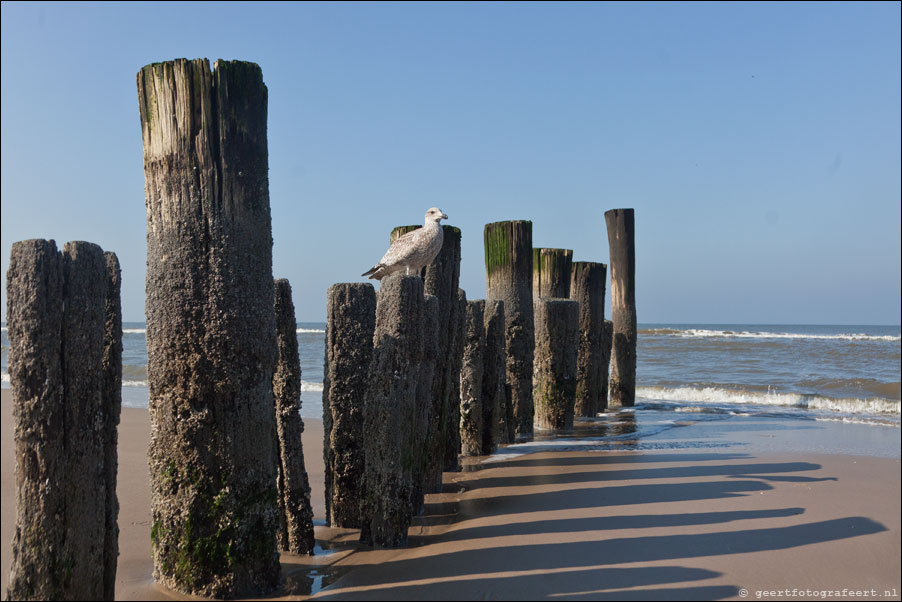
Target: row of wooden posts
<point>414,376</point>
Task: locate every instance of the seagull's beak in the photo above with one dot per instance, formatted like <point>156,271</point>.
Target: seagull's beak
<point>444,216</point>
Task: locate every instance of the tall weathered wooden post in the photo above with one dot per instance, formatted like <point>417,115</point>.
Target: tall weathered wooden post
<point>441,278</point>
<point>508,267</point>
<point>557,321</point>
<point>587,286</point>
<point>496,414</point>
<point>622,241</point>
<point>471,376</point>
<point>112,395</point>
<point>390,407</point>
<point>210,327</point>
<point>61,313</point>
<point>452,426</point>
<point>296,524</point>
<point>551,272</point>
<point>432,324</point>
<point>350,325</point>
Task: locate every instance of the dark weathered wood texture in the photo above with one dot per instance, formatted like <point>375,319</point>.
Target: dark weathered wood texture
<point>390,409</point>
<point>622,242</point>
<point>350,325</point>
<point>551,272</point>
<point>587,286</point>
<point>210,327</point>
<point>296,524</point>
<point>555,362</point>
<point>471,376</point>
<point>496,410</point>
<point>112,407</point>
<point>431,326</point>
<point>508,266</point>
<point>606,342</point>
<point>441,279</point>
<point>61,378</point>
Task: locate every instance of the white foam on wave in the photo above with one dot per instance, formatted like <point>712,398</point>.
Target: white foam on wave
<point>144,330</point>
<point>6,377</point>
<point>309,386</point>
<point>717,395</point>
<point>704,333</point>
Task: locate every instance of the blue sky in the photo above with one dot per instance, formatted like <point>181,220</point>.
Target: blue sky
<point>758,143</point>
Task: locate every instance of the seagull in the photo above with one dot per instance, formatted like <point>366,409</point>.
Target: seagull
<point>413,251</point>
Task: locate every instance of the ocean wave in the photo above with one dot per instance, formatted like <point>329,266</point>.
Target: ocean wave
<point>734,397</point>
<point>144,330</point>
<point>704,333</point>
<point>309,386</point>
<point>5,377</point>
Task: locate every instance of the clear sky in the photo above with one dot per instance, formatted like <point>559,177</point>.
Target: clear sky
<point>759,143</point>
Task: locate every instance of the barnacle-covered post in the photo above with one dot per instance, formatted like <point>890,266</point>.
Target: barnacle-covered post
<point>62,309</point>
<point>390,407</point>
<point>587,287</point>
<point>296,524</point>
<point>471,376</point>
<point>441,279</point>
<point>496,414</point>
<point>508,267</point>
<point>350,324</point>
<point>557,321</point>
<point>211,339</point>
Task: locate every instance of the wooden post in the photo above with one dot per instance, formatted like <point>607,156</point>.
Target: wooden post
<point>508,266</point>
<point>587,286</point>
<point>57,312</point>
<point>471,376</point>
<point>441,279</point>
<point>350,325</point>
<point>551,272</point>
<point>452,426</point>
<point>606,342</point>
<point>296,524</point>
<point>211,339</point>
<point>622,241</point>
<point>112,401</point>
<point>390,406</point>
<point>557,322</point>
<point>431,326</point>
<point>495,406</point>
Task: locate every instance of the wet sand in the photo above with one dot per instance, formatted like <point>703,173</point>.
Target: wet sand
<point>707,523</point>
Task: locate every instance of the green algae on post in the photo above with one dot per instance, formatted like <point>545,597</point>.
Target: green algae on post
<point>551,272</point>
<point>508,267</point>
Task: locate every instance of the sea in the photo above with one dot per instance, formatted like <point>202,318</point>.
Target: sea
<point>686,373</point>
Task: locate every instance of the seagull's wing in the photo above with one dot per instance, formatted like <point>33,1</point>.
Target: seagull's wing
<point>398,254</point>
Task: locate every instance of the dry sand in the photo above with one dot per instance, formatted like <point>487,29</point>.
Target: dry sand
<point>704,524</point>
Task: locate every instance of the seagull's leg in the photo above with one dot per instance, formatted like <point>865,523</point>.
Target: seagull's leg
<point>407,273</point>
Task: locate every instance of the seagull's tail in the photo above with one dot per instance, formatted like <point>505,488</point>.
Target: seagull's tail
<point>377,271</point>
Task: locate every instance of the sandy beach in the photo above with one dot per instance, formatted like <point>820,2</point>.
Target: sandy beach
<point>744,518</point>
